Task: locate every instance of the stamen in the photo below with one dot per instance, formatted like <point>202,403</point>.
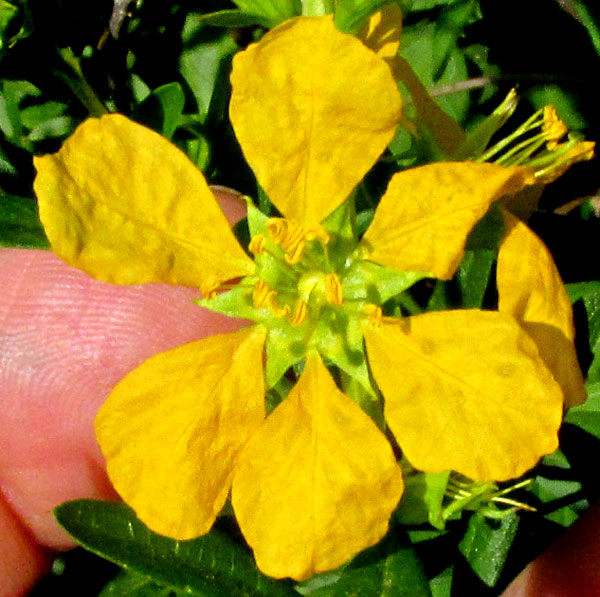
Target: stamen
<point>257,245</point>
<point>260,294</point>
<point>299,314</point>
<point>333,289</point>
<point>553,127</point>
<point>579,152</point>
<point>273,305</point>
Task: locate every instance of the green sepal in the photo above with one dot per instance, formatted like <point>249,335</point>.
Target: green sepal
<point>257,220</point>
<point>341,227</point>
<point>479,137</point>
<point>369,282</point>
<point>210,565</point>
<point>339,338</point>
<point>20,224</point>
<point>286,345</point>
<point>236,302</point>
<point>423,498</point>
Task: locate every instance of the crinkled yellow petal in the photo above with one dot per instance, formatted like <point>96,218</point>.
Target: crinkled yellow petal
<point>465,391</point>
<point>381,33</point>
<point>531,290</point>
<point>426,214</point>
<point>308,130</point>
<point>317,483</point>
<point>171,429</point>
<point>125,205</point>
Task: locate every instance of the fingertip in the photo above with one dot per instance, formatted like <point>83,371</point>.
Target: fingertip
<point>22,561</point>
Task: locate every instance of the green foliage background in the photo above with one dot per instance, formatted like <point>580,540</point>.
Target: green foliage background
<point>166,64</point>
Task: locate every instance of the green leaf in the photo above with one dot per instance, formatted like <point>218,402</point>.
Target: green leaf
<point>486,545</point>
<point>587,416</point>
<point>20,224</point>
<point>350,14</point>
<point>232,19</point>
<point>162,109</point>
<point>589,294</point>
<point>473,277</point>
<point>274,11</point>
<point>210,565</point>
<point>419,47</point>
<point>203,63</point>
<point>130,584</point>
<point>390,569</point>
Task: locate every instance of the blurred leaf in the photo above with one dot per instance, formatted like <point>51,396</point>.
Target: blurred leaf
<point>564,102</point>
<point>20,225</point>
<point>274,11</point>
<point>232,19</point>
<point>389,569</point>
<point>210,565</point>
<point>580,11</point>
<point>202,61</point>
<point>486,544</point>
<point>418,46</point>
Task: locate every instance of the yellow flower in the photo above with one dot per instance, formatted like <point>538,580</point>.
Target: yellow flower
<point>315,481</point>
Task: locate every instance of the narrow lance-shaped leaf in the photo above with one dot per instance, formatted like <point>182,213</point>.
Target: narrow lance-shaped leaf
<point>211,565</point>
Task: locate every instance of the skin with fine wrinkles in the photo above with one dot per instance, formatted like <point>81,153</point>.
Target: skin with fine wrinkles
<point>66,340</point>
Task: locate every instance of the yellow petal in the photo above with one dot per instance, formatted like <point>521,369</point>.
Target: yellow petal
<point>381,33</point>
<point>313,109</point>
<point>171,429</point>
<point>426,214</point>
<point>465,391</point>
<point>317,483</point>
<point>531,290</point>
<point>121,203</point>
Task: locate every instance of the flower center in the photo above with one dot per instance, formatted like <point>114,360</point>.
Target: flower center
<point>296,277</point>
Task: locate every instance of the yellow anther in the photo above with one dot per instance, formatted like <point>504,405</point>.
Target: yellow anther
<point>274,306</point>
<point>373,313</point>
<point>553,127</point>
<point>260,293</point>
<point>295,255</point>
<point>257,244</point>
<point>299,313</point>
<point>333,289</point>
<point>581,151</point>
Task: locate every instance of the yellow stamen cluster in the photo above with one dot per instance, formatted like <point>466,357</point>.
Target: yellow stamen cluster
<point>292,237</point>
<point>296,278</point>
<point>537,144</point>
